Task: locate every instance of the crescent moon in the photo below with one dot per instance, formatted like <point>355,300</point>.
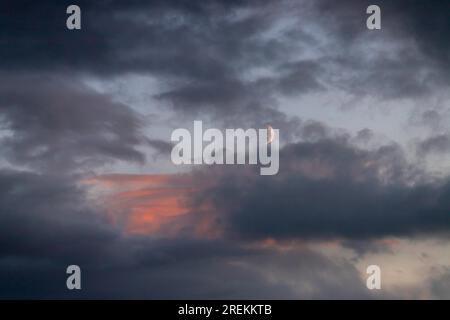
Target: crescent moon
<point>270,134</point>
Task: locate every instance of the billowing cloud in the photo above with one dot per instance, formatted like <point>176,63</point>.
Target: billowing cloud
<point>37,244</point>
<point>74,188</point>
<point>329,189</point>
<point>57,123</point>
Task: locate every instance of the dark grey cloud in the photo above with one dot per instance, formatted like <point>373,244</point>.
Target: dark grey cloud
<point>201,49</point>
<point>313,131</point>
<point>215,59</point>
<point>159,36</point>
<point>426,22</point>
<point>47,223</point>
<point>300,77</point>
<point>329,190</point>
<point>58,123</point>
<point>208,45</point>
<point>410,59</point>
<point>206,51</point>
<point>432,119</point>
<point>362,247</point>
<point>162,147</point>
<point>437,144</point>
<point>53,217</point>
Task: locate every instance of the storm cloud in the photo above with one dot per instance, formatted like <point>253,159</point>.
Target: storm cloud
<point>53,122</point>
<point>329,190</point>
<point>37,244</point>
<point>83,166</point>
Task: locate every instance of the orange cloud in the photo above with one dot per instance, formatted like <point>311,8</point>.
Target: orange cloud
<point>152,204</point>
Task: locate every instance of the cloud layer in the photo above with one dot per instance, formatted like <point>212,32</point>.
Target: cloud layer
<point>81,179</point>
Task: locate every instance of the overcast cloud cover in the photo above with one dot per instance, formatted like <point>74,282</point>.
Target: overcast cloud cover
<point>85,171</point>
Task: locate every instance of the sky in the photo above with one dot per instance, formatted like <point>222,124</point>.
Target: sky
<point>86,176</point>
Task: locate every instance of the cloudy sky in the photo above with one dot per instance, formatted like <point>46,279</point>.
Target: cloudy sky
<point>85,170</point>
